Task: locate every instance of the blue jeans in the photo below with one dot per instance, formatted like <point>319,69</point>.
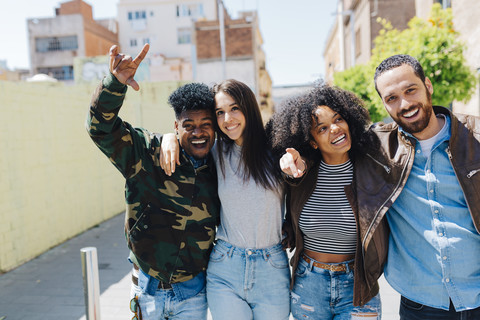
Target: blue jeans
<point>164,305</point>
<point>410,310</point>
<point>320,294</point>
<point>245,284</point>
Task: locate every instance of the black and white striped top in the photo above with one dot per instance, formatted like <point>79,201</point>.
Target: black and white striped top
<point>327,220</point>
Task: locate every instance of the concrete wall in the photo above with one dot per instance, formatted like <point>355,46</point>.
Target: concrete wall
<point>210,71</point>
<point>465,20</point>
<point>54,182</point>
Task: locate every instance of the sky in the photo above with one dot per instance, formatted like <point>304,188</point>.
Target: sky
<point>294,32</point>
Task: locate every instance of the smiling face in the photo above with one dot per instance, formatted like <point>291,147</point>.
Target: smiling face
<point>230,118</point>
<point>195,132</point>
<point>408,101</point>
<point>330,134</point>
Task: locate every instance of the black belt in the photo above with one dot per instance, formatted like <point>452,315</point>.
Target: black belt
<point>161,284</point>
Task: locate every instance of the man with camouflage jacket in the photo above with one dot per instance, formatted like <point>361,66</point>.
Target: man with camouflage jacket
<point>170,220</point>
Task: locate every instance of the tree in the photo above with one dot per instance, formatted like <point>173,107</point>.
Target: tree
<point>434,43</point>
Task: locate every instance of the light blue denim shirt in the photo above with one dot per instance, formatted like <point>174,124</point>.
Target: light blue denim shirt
<point>433,253</point>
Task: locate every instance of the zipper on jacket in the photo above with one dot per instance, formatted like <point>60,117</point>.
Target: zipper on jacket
<point>385,167</point>
<point>472,173</point>
<point>469,175</point>
<point>383,204</point>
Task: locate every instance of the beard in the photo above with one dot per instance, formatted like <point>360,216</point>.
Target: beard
<point>420,124</point>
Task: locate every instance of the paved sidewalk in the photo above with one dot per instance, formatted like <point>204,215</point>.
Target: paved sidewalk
<point>51,285</point>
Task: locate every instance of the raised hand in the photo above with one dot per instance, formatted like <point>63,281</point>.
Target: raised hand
<point>124,67</point>
<point>292,163</point>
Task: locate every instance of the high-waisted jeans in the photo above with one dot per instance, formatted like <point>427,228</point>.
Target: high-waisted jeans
<point>320,294</point>
<point>245,284</point>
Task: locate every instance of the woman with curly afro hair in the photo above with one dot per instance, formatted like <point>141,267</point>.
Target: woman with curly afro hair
<point>319,136</point>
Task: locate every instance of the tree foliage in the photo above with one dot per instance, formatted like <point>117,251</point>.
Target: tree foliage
<point>434,43</point>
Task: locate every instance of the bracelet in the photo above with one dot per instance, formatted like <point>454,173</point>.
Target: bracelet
<point>305,165</point>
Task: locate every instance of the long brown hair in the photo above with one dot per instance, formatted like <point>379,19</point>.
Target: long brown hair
<point>257,162</point>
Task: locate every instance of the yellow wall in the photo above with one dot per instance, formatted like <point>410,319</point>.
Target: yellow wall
<point>54,182</point>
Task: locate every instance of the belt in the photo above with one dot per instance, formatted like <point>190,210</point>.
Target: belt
<point>331,267</point>
<point>161,284</point>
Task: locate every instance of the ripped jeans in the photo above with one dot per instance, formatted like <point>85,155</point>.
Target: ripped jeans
<point>320,294</point>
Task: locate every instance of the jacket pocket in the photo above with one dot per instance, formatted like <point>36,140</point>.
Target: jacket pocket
<point>155,238</point>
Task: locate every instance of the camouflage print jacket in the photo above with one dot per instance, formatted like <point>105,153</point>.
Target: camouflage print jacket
<point>170,221</point>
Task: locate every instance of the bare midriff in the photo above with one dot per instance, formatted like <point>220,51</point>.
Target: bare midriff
<point>328,257</point>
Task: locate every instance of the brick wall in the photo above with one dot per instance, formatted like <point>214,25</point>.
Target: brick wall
<point>238,39</point>
<point>98,39</point>
<point>76,6</point>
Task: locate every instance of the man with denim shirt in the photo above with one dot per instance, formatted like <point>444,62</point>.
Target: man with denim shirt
<point>434,240</point>
<point>170,220</point>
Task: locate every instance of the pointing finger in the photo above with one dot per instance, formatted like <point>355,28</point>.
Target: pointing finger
<point>294,155</point>
<point>139,58</point>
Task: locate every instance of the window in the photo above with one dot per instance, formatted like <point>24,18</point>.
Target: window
<point>138,20</point>
<point>133,42</point>
<point>184,36</point>
<point>146,40</point>
<point>194,10</point>
<point>137,15</point>
<point>358,43</point>
<point>60,73</point>
<point>56,44</point>
<point>445,3</point>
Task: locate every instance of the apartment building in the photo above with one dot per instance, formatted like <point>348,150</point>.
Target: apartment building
<point>168,26</point>
<point>243,57</point>
<point>350,40</point>
<point>55,42</point>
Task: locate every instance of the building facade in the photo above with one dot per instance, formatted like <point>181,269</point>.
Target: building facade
<point>243,57</point>
<point>168,26</point>
<point>350,40</point>
<point>465,20</point>
<point>55,42</point>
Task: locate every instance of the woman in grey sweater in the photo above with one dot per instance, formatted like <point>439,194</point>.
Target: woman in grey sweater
<point>248,274</point>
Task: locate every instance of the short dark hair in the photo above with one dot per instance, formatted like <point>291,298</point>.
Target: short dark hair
<point>192,96</point>
<point>290,126</point>
<point>397,61</point>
